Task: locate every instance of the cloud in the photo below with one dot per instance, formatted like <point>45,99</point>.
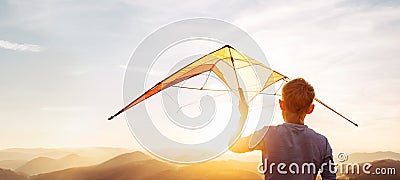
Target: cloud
<point>20,47</point>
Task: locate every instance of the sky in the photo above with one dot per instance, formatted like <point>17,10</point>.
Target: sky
<point>62,64</point>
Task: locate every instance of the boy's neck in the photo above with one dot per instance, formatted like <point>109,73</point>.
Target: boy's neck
<point>293,118</point>
<point>295,123</point>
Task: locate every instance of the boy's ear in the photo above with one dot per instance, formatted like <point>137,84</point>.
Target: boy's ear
<point>281,104</point>
<point>311,109</point>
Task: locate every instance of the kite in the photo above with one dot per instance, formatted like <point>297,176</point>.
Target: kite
<point>239,73</point>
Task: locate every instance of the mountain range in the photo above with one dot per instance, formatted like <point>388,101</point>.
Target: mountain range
<point>77,164</point>
<point>140,166</point>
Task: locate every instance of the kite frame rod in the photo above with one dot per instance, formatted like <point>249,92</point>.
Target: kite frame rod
<point>322,103</point>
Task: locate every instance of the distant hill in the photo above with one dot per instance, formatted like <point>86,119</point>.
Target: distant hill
<point>45,164</point>
<point>101,153</point>
<point>125,159</point>
<point>134,165</point>
<point>11,164</point>
<point>11,175</point>
<point>369,157</point>
<point>7,155</point>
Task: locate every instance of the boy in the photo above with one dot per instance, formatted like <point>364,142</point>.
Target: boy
<point>291,150</point>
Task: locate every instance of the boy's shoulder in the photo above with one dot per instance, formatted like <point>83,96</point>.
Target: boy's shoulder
<point>317,135</point>
<point>301,128</point>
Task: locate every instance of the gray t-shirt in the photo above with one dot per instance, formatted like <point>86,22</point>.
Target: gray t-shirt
<point>295,145</point>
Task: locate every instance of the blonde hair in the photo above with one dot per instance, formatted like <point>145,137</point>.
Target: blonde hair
<point>298,95</point>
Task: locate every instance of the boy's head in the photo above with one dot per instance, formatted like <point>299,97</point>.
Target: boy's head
<point>296,102</point>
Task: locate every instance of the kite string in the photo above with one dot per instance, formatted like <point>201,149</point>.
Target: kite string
<point>208,76</point>
<point>283,82</point>
<point>172,99</point>
<point>217,90</point>
<point>188,104</point>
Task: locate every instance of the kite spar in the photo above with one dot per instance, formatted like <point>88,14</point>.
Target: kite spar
<point>239,72</point>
